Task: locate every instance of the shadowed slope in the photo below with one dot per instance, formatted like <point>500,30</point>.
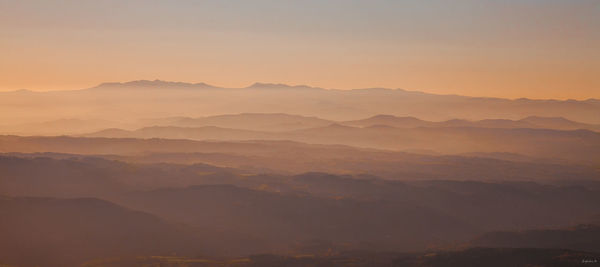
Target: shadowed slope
<point>67,232</point>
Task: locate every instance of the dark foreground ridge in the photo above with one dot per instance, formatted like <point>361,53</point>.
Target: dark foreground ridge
<point>475,257</point>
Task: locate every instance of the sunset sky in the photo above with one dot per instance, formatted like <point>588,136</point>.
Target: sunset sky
<point>510,48</point>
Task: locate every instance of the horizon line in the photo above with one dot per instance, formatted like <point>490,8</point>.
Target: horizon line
<point>274,84</point>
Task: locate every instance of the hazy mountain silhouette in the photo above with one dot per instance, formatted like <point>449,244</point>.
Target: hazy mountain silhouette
<point>558,123</point>
<point>173,132</point>
<point>575,145</point>
<point>578,145</point>
<point>59,127</point>
<point>289,157</point>
<point>259,85</point>
<point>248,121</point>
<point>187,181</point>
<point>536,122</point>
<point>141,84</point>
<point>278,122</point>
<point>390,120</point>
<point>125,102</point>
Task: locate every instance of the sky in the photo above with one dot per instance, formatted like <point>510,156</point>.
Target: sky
<point>496,48</point>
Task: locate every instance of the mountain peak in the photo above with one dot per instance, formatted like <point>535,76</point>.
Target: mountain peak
<point>153,84</point>
<point>259,85</point>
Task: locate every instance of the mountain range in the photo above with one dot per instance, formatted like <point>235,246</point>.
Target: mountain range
<point>446,138</point>
<point>157,173</point>
<point>207,211</point>
<point>285,157</point>
<point>124,102</point>
<point>279,122</point>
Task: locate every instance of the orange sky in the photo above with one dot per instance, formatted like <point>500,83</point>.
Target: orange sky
<point>531,48</point>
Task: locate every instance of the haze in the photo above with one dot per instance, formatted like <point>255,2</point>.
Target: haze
<point>300,133</point>
<point>534,48</point>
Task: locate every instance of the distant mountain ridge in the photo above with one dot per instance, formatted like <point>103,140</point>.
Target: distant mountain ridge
<point>153,84</point>
<point>247,121</point>
<point>157,83</point>
<point>279,122</point>
<point>265,85</point>
<point>282,122</point>
<point>292,157</point>
<point>144,99</point>
<point>175,132</point>
<point>566,140</point>
<point>536,122</point>
<point>165,173</point>
<point>179,85</point>
<point>262,85</point>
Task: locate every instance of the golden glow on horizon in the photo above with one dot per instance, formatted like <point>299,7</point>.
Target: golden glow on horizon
<point>530,60</point>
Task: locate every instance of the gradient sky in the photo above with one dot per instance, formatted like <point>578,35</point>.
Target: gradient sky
<point>505,48</point>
